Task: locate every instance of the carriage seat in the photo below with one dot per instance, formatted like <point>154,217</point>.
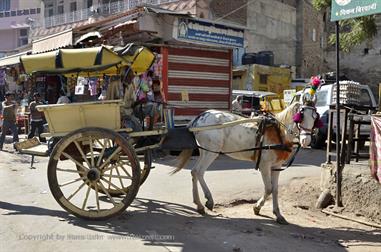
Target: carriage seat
<point>32,147</point>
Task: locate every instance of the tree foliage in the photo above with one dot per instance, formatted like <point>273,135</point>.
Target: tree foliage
<point>354,31</point>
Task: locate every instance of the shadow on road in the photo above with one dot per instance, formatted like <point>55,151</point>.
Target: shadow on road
<point>166,224</point>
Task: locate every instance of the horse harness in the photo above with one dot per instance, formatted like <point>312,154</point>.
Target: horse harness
<point>268,122</point>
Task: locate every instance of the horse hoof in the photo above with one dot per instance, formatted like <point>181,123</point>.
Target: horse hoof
<point>209,204</point>
<point>281,220</point>
<point>201,211</point>
<point>256,210</point>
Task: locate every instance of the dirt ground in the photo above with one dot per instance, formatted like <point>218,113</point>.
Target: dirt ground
<point>310,225</point>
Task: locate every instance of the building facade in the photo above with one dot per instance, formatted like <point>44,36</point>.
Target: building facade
<point>60,12</point>
<point>17,19</point>
<point>291,29</point>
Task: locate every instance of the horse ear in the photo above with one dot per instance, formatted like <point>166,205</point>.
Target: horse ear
<point>295,109</point>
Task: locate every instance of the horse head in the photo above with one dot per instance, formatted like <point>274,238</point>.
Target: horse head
<point>306,119</point>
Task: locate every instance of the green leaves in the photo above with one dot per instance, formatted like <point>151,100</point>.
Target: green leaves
<point>321,4</point>
<point>353,31</point>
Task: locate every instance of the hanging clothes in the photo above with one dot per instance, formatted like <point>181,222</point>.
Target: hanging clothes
<point>113,90</point>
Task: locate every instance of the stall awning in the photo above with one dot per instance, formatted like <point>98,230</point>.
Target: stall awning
<point>53,42</point>
<point>11,60</point>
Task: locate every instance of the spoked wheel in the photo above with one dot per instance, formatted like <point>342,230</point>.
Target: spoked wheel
<point>145,161</point>
<point>86,166</point>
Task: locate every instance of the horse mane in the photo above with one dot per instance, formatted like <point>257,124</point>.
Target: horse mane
<point>286,115</point>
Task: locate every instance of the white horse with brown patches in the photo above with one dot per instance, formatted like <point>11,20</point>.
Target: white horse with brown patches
<point>243,137</point>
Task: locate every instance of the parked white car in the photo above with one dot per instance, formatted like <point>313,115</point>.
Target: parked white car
<point>324,98</point>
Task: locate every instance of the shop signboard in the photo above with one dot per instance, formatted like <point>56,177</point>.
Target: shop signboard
<point>344,9</point>
<point>288,95</point>
<point>191,30</point>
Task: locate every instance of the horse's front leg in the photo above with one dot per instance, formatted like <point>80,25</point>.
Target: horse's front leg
<point>274,181</point>
<point>265,170</point>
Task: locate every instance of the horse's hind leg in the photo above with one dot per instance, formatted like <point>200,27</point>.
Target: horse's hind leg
<point>274,181</point>
<point>207,159</point>
<point>265,170</point>
<point>196,196</point>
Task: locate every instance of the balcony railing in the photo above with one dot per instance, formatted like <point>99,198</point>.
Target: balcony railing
<point>103,9</point>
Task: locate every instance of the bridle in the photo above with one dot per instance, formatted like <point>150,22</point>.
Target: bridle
<point>298,119</point>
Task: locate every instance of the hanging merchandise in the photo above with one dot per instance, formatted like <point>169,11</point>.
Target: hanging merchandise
<point>158,65</point>
<point>80,87</point>
<point>93,86</point>
<point>2,84</point>
<point>114,87</point>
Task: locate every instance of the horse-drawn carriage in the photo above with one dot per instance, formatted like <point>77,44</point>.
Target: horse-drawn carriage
<point>94,170</point>
<point>91,149</point>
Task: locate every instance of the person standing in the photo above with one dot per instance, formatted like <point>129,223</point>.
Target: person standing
<point>9,119</point>
<point>36,118</point>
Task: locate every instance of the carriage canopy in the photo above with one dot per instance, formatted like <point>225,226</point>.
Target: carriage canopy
<point>89,61</point>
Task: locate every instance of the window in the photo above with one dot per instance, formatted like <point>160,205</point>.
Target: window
<point>366,51</point>
<point>73,6</point>
<point>321,98</point>
<point>60,9</point>
<point>263,78</point>
<point>50,12</point>
<point>5,5</point>
<point>365,99</point>
<point>89,3</point>
<point>23,37</point>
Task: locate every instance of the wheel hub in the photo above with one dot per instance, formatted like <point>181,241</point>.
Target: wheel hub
<point>93,174</point>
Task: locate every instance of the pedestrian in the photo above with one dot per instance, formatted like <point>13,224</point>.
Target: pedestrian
<point>237,104</point>
<point>9,119</point>
<point>36,118</point>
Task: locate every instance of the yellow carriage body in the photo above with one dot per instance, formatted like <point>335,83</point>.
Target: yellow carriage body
<point>65,118</point>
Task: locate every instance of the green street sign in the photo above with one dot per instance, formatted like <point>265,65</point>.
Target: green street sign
<point>344,9</point>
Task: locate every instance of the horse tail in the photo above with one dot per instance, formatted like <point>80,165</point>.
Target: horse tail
<point>183,159</point>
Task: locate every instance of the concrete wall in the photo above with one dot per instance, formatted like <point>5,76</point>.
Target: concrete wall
<point>22,4</point>
<point>220,8</point>
<point>313,41</point>
<point>8,40</point>
<point>272,27</point>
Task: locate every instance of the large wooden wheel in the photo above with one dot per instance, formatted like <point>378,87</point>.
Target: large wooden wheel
<point>145,163</point>
<point>88,164</point>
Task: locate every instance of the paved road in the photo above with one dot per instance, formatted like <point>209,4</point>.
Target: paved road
<point>161,219</point>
